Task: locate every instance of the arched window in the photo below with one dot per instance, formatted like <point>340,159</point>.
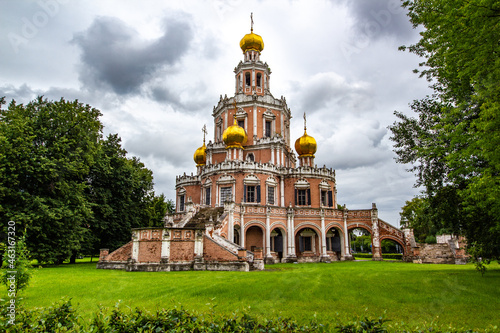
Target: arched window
<point>259,80</point>
<point>247,79</point>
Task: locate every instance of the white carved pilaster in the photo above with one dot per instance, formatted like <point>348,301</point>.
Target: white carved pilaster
<point>135,245</point>
<point>346,234</point>
<point>242,227</point>
<point>198,243</point>
<point>268,232</point>
<point>323,234</point>
<point>165,244</point>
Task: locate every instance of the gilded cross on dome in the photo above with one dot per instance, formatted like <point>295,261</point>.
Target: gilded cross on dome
<point>235,109</point>
<point>305,121</point>
<point>205,132</point>
<point>251,20</point>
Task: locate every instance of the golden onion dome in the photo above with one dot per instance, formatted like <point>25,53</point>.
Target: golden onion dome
<point>234,136</point>
<point>200,155</point>
<point>252,41</point>
<point>305,145</point>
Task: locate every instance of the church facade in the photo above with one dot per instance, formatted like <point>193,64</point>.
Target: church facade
<point>255,198</point>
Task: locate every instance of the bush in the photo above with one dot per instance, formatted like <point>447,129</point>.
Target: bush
<point>430,239</point>
<point>398,256</point>
<point>363,255</point>
<point>62,317</point>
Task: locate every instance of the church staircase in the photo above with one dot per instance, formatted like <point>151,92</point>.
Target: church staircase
<point>217,217</point>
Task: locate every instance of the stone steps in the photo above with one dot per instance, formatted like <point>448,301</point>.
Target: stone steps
<point>436,254</point>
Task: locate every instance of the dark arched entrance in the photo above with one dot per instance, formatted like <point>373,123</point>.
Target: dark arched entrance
<point>254,238</point>
<point>334,240</point>
<point>307,245</point>
<point>277,243</point>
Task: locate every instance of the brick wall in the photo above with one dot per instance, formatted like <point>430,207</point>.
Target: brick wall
<point>149,251</point>
<point>124,253</point>
<point>181,251</point>
<point>214,252</point>
<point>254,238</point>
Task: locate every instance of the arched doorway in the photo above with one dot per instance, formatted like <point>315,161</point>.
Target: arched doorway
<point>360,241</point>
<point>254,238</point>
<point>278,243</point>
<point>334,244</point>
<point>307,245</point>
<point>391,249</point>
<point>236,235</point>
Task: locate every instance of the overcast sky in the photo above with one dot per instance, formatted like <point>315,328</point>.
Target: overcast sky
<point>155,69</point>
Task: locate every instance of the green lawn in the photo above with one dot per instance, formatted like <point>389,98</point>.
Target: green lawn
<point>409,293</point>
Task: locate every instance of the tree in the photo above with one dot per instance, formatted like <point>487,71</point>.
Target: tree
<point>70,190</point>
<point>46,150</point>
<point>120,191</point>
<point>158,208</point>
<point>429,217</point>
<point>454,142</point>
<point>16,272</point>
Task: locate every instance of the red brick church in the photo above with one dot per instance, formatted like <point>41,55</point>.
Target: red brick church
<point>254,199</point>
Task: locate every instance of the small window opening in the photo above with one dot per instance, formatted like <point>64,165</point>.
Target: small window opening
<point>250,193</point>
<point>301,200</point>
<point>270,195</point>
<point>268,129</point>
<point>181,203</point>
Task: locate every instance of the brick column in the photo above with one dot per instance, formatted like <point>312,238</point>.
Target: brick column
<point>268,233</point>
<point>324,256</point>
<point>347,254</point>
<point>376,251</point>
<point>291,256</point>
<point>103,254</point>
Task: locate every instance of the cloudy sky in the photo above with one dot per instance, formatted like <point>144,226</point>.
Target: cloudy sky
<point>155,69</point>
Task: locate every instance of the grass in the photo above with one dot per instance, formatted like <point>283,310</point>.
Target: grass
<point>405,293</point>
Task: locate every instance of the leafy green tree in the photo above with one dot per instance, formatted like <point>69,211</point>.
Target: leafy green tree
<point>16,272</point>
<point>46,150</point>
<point>121,194</point>
<point>159,207</point>
<point>70,190</point>
<point>431,216</point>
<point>453,142</point>
<point>361,243</point>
